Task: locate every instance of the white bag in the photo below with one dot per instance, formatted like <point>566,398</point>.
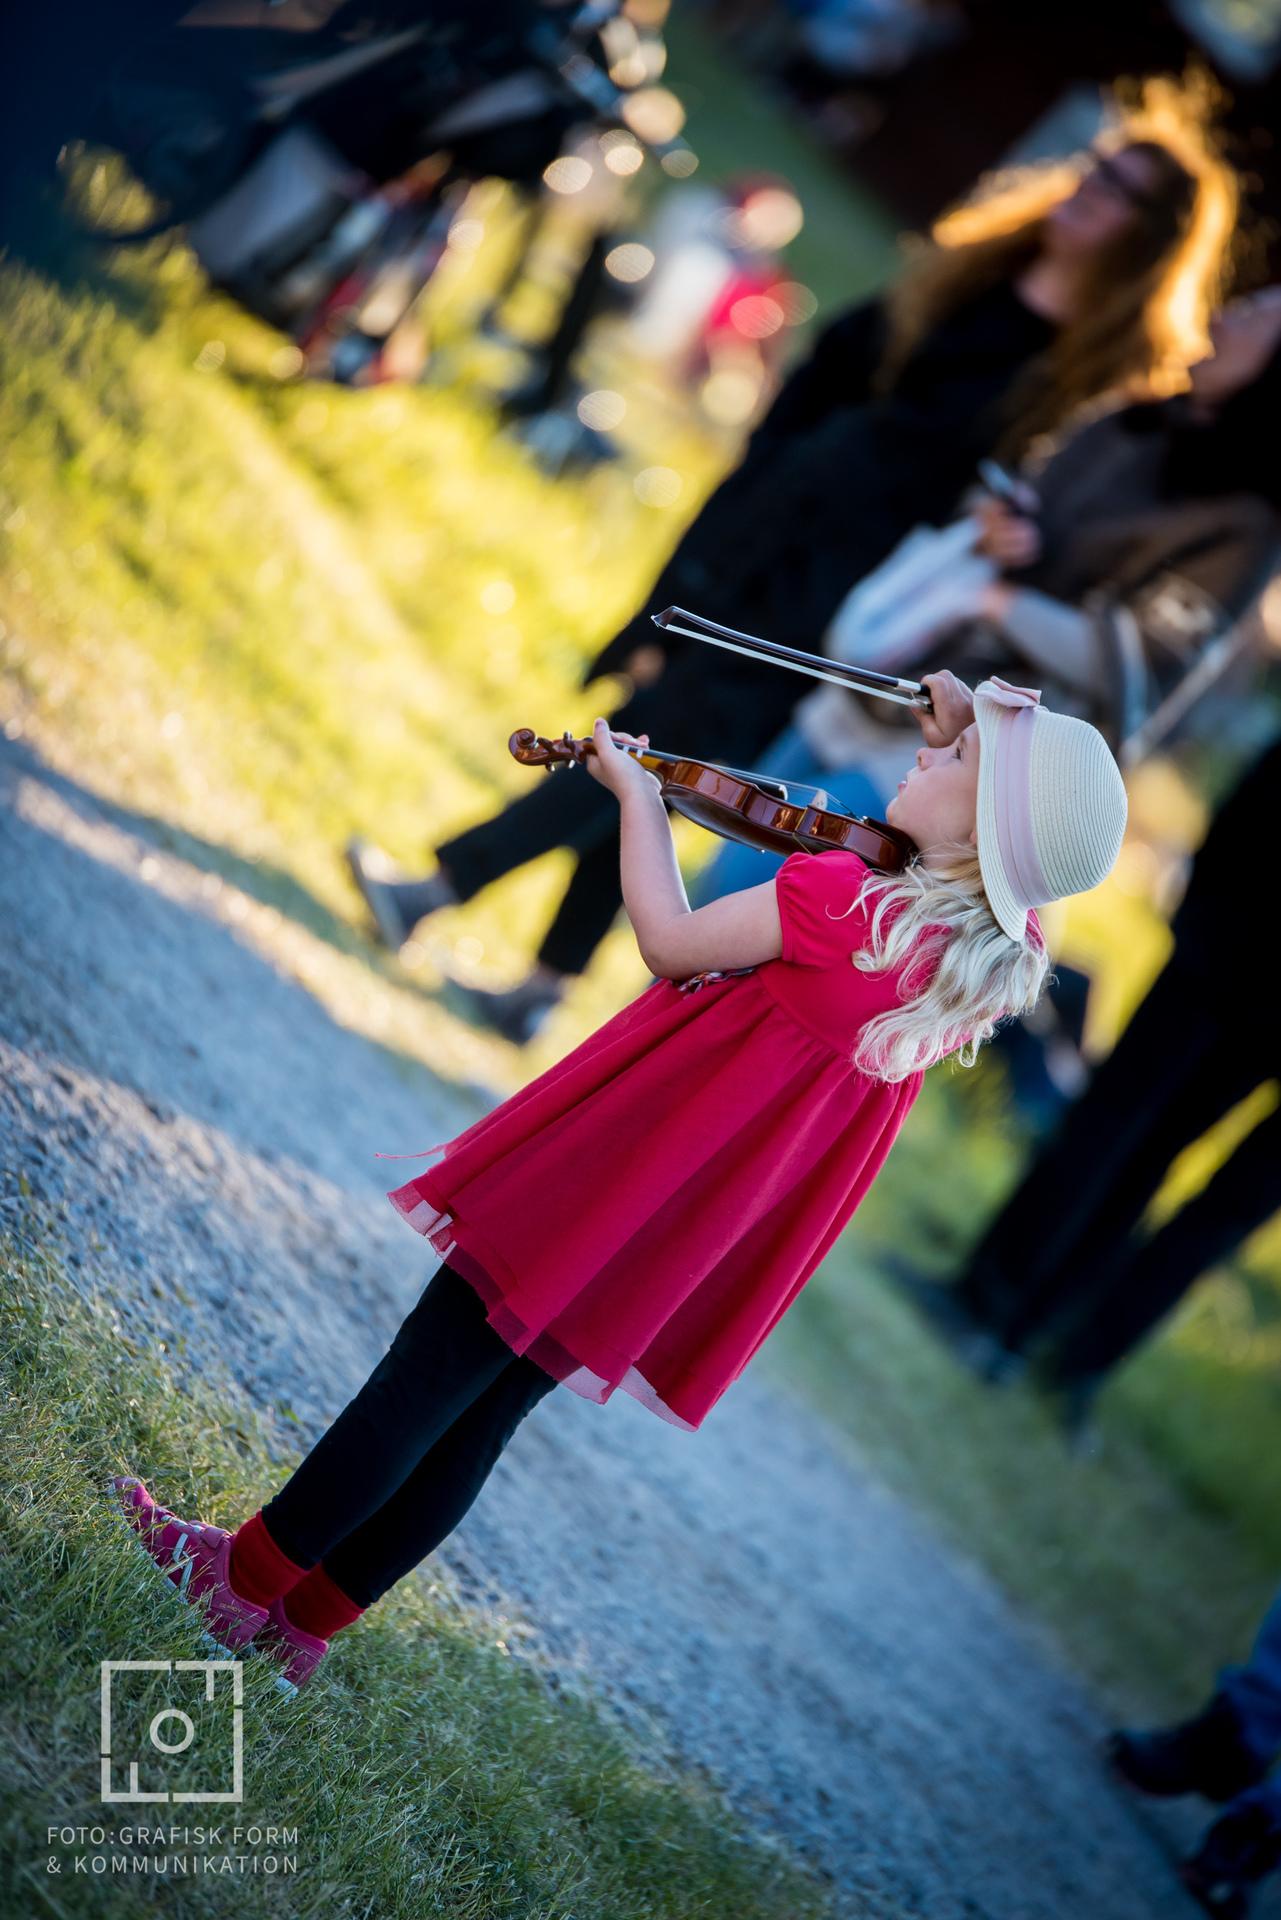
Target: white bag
<point>929,582</point>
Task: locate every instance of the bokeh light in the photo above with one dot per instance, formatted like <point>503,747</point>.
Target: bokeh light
<point>1270,615</point>
<point>602,409</point>
<point>654,115</point>
<point>798,302</point>
<point>466,234</point>
<point>658,486</point>
<point>769,218</point>
<point>680,163</point>
<point>630,262</point>
<point>286,362</point>
<point>569,173</point>
<point>621,44</point>
<point>622,154</point>
<point>756,316</point>
<point>498,596</point>
<point>730,394</point>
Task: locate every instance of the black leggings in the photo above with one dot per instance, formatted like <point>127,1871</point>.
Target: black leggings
<point>405,1459</point>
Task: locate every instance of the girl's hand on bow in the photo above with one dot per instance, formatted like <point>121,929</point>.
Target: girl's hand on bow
<point>953,705</point>
<point>618,771</point>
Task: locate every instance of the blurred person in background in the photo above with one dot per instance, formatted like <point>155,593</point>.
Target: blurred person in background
<point>1150,531</point>
<point>1064,1275</point>
<point>717,296</point>
<point>707,299</point>
<point>1224,1753</point>
<point>1042,292</point>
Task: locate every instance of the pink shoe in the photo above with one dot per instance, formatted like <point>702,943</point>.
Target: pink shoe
<point>196,1558</point>
<point>299,1653</point>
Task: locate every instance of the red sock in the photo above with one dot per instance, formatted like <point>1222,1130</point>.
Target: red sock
<point>318,1605</point>
<point>259,1570</point>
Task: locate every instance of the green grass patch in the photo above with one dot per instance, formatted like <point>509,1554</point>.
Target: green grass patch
<point>264,615</point>
<point>425,1770</point>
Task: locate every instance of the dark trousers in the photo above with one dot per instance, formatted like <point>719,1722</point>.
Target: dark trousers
<point>1148,1281</point>
<point>713,707</point>
<point>1063,1265</point>
<point>404,1460</point>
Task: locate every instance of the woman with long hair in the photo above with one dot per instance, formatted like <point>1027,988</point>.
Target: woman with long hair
<point>1050,287</point>
<point>1144,289</point>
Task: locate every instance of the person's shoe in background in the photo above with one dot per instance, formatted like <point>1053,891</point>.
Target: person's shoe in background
<point>1239,1852</point>
<point>1205,1755</point>
<point>396,902</point>
<point>517,1013</point>
<point>943,1307</point>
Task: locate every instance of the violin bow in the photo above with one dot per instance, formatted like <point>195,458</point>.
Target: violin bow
<point>886,686</point>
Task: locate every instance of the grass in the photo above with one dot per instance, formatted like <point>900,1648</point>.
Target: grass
<point>258,612</point>
<point>424,1770</point>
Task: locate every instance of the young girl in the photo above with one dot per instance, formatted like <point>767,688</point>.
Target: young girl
<point>642,1214</point>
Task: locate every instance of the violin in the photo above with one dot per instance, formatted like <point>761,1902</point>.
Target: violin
<point>776,816</point>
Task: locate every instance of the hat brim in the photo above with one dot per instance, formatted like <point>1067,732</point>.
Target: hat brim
<point>1010,914</point>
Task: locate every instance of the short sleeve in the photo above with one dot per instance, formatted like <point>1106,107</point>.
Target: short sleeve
<point>817,907</point>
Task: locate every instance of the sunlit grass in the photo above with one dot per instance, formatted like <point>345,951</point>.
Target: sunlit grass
<point>264,611</point>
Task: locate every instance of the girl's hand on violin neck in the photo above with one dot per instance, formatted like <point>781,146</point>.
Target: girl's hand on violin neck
<point>953,709</point>
<point>621,772</point>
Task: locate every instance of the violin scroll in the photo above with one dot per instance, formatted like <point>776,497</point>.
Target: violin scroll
<point>535,750</point>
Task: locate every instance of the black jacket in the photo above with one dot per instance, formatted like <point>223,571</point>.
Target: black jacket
<point>837,472</point>
<point>1222,914</point>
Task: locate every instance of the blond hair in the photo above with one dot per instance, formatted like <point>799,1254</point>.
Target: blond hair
<point>1143,315</point>
<point>960,973</point>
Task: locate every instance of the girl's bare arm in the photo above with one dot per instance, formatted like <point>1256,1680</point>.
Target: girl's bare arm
<point>675,940</point>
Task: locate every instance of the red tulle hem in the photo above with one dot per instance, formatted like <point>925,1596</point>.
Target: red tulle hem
<point>590,1382</point>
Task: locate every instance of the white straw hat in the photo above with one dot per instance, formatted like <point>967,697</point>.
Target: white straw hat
<point>1052,806</point>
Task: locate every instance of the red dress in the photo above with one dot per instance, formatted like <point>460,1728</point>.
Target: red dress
<point>642,1214</point>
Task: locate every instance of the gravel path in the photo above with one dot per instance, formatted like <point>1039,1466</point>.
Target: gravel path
<point>745,1598</point>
